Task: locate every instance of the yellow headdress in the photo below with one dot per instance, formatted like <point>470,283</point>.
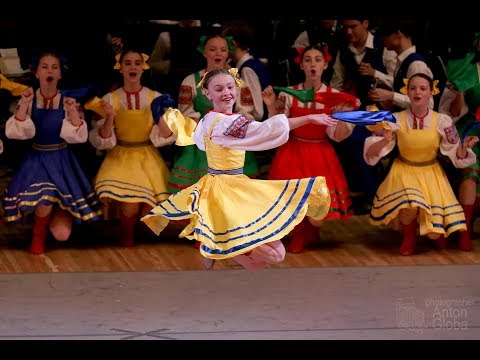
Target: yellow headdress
<point>232,71</point>
<point>435,89</point>
<point>145,58</point>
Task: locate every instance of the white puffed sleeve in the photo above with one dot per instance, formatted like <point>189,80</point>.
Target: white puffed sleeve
<point>159,141</point>
<point>250,135</point>
<point>20,130</point>
<point>100,142</point>
<point>74,134</point>
<point>376,137</point>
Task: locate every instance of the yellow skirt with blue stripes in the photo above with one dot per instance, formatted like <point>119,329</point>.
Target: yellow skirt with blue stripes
<point>423,187</point>
<point>233,214</point>
<point>134,174</point>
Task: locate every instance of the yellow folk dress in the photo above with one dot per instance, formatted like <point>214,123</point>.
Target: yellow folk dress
<point>416,180</point>
<point>231,214</point>
<point>133,171</point>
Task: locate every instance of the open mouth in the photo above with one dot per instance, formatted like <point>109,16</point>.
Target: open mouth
<point>132,74</point>
<point>49,78</point>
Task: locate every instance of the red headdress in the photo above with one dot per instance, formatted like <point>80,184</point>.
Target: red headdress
<point>298,58</point>
<point>326,55</point>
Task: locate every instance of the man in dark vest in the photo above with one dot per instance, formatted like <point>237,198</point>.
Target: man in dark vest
<point>397,36</point>
<point>175,55</point>
<point>363,49</point>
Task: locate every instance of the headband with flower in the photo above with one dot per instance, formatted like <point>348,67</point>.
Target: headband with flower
<point>298,58</point>
<point>232,71</point>
<point>435,89</point>
<point>326,55</point>
<point>203,41</point>
<point>145,58</point>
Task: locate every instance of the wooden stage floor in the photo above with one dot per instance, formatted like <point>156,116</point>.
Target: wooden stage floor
<point>95,247</point>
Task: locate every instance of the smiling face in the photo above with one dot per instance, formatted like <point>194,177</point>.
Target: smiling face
<point>222,92</point>
<point>48,71</point>
<point>131,67</point>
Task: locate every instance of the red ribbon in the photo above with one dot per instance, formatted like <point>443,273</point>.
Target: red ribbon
<point>332,99</point>
<point>326,55</point>
<point>298,58</point>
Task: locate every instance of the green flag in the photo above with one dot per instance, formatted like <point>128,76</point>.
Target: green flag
<point>463,74</point>
<point>304,96</point>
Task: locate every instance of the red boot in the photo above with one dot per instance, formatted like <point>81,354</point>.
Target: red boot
<point>465,242</point>
<point>298,242</point>
<point>441,242</point>
<point>409,238</point>
<point>127,228</point>
<point>304,234</point>
<point>40,230</point>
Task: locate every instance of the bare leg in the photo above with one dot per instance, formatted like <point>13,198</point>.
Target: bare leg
<point>258,258</point>
<point>61,225</point>
<point>272,252</point>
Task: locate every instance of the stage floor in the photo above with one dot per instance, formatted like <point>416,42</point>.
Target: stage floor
<point>373,302</point>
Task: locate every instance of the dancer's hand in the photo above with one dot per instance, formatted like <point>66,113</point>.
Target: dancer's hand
<point>387,135</point>
<point>27,96</point>
<point>470,141</point>
<point>322,119</point>
<point>108,108</point>
<point>269,96</point>
<point>70,104</point>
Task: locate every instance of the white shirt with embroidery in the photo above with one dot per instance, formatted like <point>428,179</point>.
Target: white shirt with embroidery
<point>23,130</point>
<point>125,99</point>
<point>258,136</point>
<point>448,145</point>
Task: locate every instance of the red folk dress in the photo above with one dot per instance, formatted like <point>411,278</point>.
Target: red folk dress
<point>309,153</point>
